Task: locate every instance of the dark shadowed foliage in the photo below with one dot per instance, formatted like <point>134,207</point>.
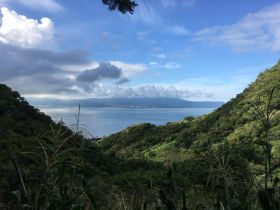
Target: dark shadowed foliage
<point>123,6</point>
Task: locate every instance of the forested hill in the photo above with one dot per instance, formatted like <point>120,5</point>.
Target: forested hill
<point>17,116</point>
<point>46,164</point>
<point>18,122</point>
<point>233,123</point>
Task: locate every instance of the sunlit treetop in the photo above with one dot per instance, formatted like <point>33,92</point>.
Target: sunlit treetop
<point>123,6</point>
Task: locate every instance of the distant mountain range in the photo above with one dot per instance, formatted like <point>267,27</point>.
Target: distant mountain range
<point>128,102</point>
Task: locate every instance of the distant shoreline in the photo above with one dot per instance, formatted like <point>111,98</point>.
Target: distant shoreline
<point>117,107</point>
<point>126,103</point>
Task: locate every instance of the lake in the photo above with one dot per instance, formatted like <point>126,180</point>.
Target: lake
<point>105,121</point>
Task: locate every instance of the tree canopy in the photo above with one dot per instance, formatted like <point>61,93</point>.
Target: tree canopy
<point>123,6</point>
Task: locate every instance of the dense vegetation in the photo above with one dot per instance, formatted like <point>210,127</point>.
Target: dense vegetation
<point>233,123</point>
<point>229,159</point>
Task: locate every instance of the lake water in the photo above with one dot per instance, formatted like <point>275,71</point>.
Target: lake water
<point>105,121</point>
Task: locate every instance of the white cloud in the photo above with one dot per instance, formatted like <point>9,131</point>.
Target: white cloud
<point>21,31</point>
<point>46,71</point>
<point>153,63</point>
<point>172,65</point>
<point>179,30</point>
<point>129,69</point>
<point>154,91</point>
<point>52,72</point>
<point>78,68</point>
<point>101,90</point>
<point>49,5</point>
<point>260,30</point>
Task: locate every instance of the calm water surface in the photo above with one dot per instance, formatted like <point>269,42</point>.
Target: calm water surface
<point>105,121</point>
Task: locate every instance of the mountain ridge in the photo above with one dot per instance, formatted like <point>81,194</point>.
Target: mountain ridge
<point>160,102</point>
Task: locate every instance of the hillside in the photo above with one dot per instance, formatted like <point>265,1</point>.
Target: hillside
<point>231,154</point>
<point>18,121</point>
<point>35,151</point>
<point>128,102</point>
<point>230,123</point>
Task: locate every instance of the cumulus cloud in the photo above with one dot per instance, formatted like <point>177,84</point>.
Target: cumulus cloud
<point>43,84</point>
<point>129,69</point>
<point>103,71</point>
<point>160,91</point>
<point>49,72</point>
<point>122,81</point>
<point>38,72</point>
<point>21,31</point>
<point>42,70</point>
<point>260,30</point>
<point>99,90</point>
<point>32,70</point>
<point>17,62</point>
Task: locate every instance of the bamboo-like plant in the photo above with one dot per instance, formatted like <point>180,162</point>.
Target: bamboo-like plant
<point>266,114</point>
<point>57,182</point>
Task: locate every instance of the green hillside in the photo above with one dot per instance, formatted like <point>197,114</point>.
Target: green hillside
<point>45,165</point>
<point>233,123</point>
<point>18,122</point>
<point>236,147</point>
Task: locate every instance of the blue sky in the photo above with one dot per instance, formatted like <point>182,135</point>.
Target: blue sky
<point>192,49</point>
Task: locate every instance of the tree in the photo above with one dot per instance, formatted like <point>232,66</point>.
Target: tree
<point>265,113</point>
<point>121,5</point>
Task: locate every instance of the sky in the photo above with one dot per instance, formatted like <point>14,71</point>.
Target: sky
<point>193,49</point>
